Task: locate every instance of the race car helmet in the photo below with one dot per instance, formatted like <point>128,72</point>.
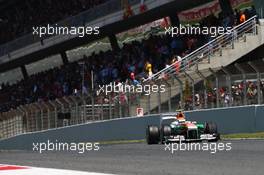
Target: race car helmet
<point>180,117</point>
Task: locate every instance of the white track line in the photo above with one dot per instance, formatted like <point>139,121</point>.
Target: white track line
<point>43,171</point>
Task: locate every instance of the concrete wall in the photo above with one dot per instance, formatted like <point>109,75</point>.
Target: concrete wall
<point>229,120</point>
<point>259,119</point>
<point>118,129</point>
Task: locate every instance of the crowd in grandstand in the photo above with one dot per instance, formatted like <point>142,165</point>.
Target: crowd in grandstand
<point>135,61</point>
<point>18,19</point>
<point>236,98</point>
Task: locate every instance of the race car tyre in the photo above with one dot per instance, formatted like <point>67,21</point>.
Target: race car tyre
<point>152,135</point>
<point>166,130</point>
<point>210,128</point>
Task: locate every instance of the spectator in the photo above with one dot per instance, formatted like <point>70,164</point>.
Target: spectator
<point>143,6</point>
<point>242,17</point>
<point>133,79</point>
<point>227,100</point>
<point>148,68</point>
<point>262,89</point>
<point>128,12</point>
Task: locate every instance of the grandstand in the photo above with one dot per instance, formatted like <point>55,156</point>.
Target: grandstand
<point>214,72</point>
<point>30,13</point>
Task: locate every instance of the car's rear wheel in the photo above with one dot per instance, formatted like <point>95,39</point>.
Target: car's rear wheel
<point>152,135</point>
<point>211,128</point>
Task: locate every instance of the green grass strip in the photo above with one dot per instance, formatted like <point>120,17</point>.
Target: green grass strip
<point>122,142</point>
<point>258,135</point>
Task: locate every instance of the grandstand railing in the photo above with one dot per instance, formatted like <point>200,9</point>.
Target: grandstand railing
<point>187,68</point>
<point>206,51</point>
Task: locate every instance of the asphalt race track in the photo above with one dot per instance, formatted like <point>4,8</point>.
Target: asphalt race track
<point>245,158</point>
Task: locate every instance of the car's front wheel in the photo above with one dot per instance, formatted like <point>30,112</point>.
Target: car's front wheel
<point>152,135</point>
<point>164,131</point>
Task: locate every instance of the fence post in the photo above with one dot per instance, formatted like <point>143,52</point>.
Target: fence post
<point>4,125</point>
<point>24,118</point>
<point>60,103</point>
<point>35,109</point>
<point>48,114</point>
<point>76,117</point>
<point>244,82</point>
<point>56,113</point>
<point>41,115</point>
<point>229,83</point>
<point>193,87</point>
<point>128,103</point>
<point>21,122</point>
<point>148,104</point>
<point>221,50</point>
<point>102,108</point>
<point>1,127</point>
<point>29,118</point>
<point>159,98</point>
<point>62,108</point>
<point>204,84</point>
<point>93,105</point>
<point>217,86</point>
<point>4,121</point>
<point>254,26</point>
<point>110,106</point>
<point>70,107</point>
<point>181,89</point>
<point>84,108</point>
<point>169,95</point>
<point>254,67</point>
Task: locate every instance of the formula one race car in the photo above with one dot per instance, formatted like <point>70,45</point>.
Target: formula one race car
<point>176,128</point>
